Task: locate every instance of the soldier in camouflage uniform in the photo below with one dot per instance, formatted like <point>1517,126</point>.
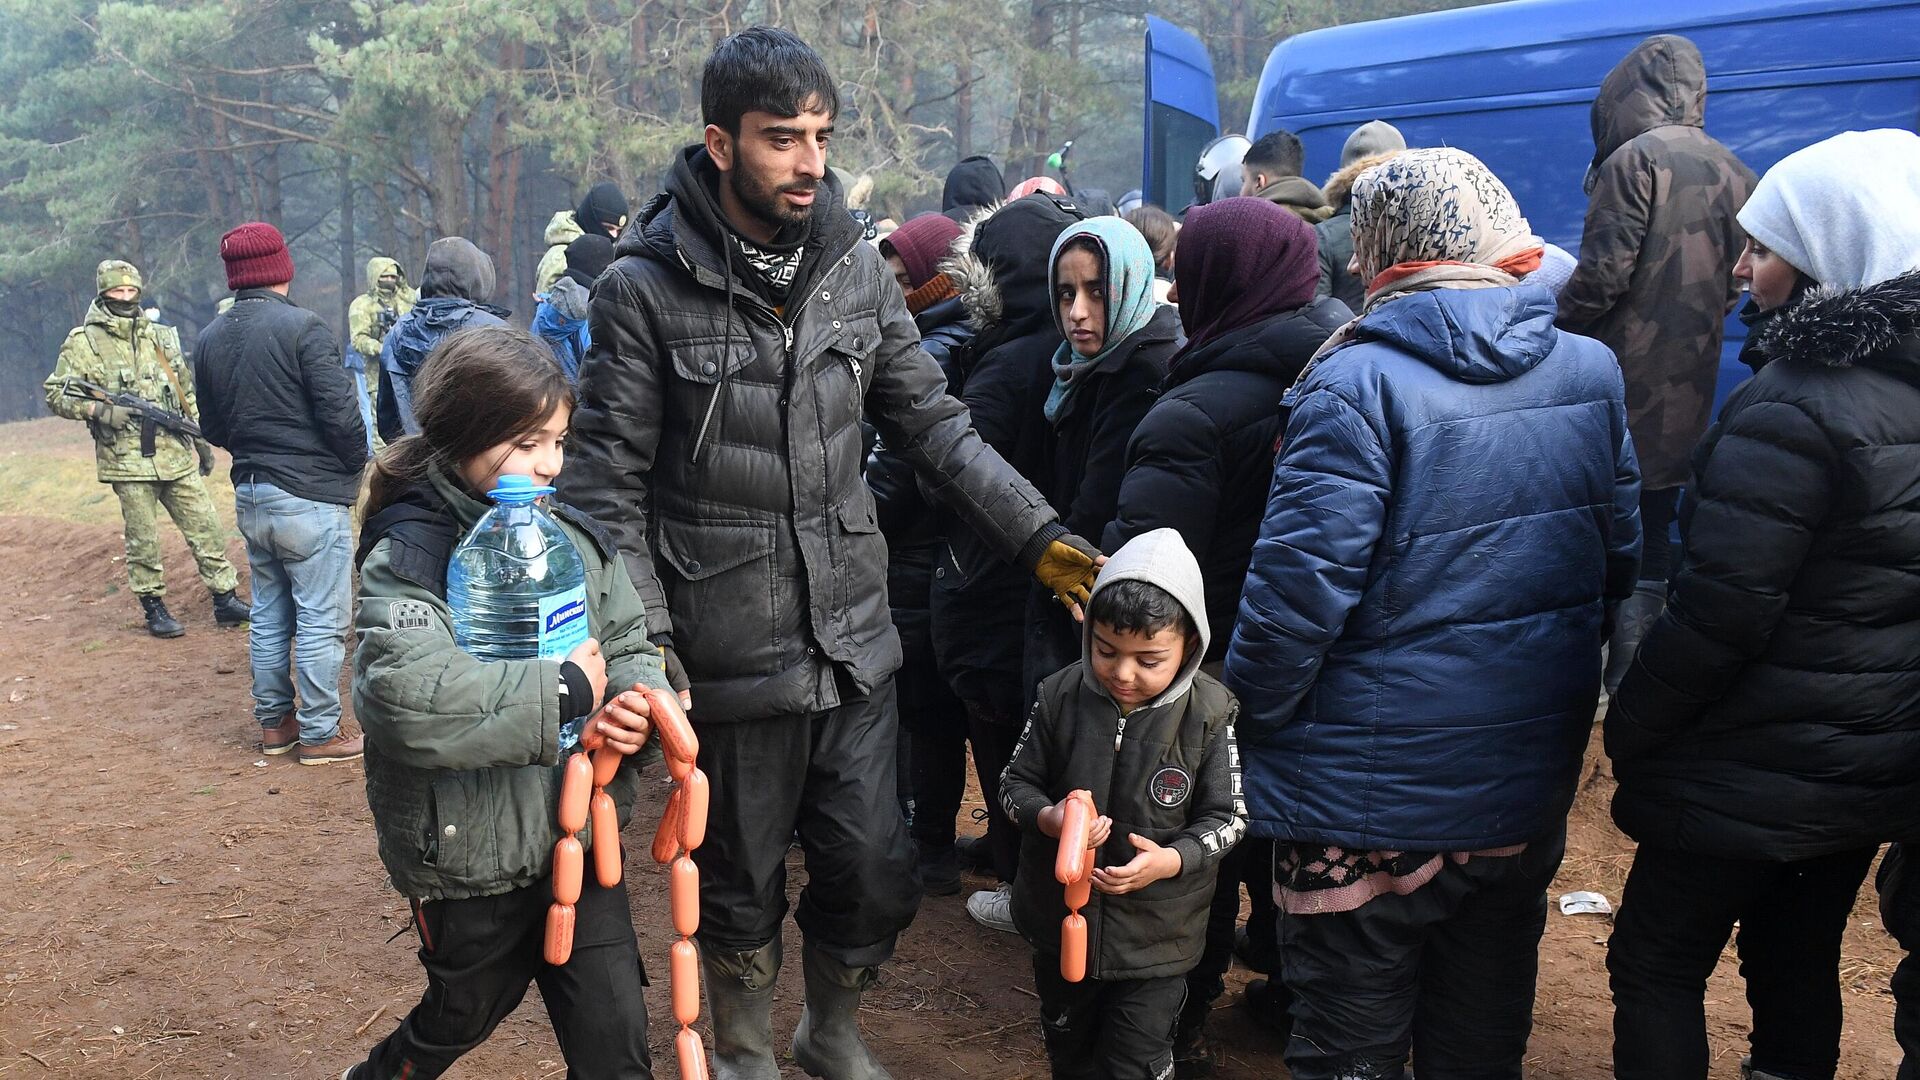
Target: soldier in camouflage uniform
<point>119,349</point>
<point>1655,281</point>
<point>371,315</point>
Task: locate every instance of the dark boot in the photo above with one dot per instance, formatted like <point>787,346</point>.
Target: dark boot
<point>740,996</point>
<point>160,621</point>
<point>939,870</point>
<point>828,1043</point>
<point>1271,1005</point>
<point>1192,1055</point>
<point>229,610</point>
<point>1630,625</point>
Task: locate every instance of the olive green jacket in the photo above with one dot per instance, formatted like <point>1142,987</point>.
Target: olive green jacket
<point>561,231</point>
<point>128,356</point>
<point>363,315</point>
<point>463,756</point>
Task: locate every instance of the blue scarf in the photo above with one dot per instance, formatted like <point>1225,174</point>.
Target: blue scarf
<point>1128,264</point>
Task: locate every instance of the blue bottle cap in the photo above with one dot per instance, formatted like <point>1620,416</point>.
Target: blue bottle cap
<point>513,490</point>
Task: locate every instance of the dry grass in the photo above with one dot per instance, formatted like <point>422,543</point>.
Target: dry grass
<point>48,465</point>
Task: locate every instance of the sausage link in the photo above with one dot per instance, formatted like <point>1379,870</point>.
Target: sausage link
<point>576,787</point>
<point>683,893</point>
<point>666,839</point>
<point>693,811</point>
<point>606,840</point>
<point>693,1056</point>
<point>606,762</point>
<point>1073,947</point>
<point>686,982</point>
<point>669,721</point>
<point>1070,865</point>
<point>568,862</point>
<point>559,946</point>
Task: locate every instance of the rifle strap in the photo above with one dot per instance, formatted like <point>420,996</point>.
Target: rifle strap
<point>173,380</point>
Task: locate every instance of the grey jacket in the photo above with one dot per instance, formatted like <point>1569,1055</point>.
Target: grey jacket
<point>463,756</point>
<point>719,439</point>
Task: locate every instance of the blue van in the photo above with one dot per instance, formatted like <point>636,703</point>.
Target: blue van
<point>1512,83</point>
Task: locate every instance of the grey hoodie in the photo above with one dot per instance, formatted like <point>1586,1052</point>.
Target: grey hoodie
<point>1167,771</point>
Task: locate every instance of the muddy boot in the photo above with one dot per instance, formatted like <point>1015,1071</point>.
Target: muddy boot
<point>229,610</point>
<point>828,1043</point>
<point>1748,1072</point>
<point>740,996</point>
<point>160,621</point>
<point>1630,625</point>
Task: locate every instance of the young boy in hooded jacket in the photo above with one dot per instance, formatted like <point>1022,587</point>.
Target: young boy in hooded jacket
<point>1138,724</point>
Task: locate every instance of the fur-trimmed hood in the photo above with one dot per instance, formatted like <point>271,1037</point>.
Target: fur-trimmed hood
<point>999,265</point>
<point>1844,327</point>
<point>1339,187</point>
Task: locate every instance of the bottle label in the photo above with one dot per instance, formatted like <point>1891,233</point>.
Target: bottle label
<point>563,623</point>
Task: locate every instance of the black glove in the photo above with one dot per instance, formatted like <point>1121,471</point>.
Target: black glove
<point>677,676</point>
<point>205,450</point>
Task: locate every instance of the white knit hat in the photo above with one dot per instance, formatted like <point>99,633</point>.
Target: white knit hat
<point>1844,211</point>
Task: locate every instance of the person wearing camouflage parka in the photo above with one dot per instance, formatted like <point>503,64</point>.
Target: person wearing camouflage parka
<point>119,350</point>
<point>371,315</point>
<point>1655,281</point>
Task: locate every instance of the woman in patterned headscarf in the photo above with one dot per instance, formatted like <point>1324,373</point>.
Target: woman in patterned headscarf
<point>1451,520</point>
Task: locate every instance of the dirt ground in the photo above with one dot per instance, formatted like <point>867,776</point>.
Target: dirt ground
<point>172,904</point>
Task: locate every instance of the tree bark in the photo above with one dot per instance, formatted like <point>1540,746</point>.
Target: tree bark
<point>347,278</point>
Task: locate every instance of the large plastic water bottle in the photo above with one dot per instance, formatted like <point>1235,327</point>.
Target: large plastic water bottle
<point>516,584</point>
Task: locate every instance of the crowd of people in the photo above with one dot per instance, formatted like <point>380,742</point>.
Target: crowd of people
<point>1306,532</point>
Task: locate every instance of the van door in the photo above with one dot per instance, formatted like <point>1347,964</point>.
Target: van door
<point>1182,114</point>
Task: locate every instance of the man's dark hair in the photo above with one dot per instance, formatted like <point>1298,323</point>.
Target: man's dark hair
<point>763,69</point>
<point>1278,153</point>
<point>1140,607</point>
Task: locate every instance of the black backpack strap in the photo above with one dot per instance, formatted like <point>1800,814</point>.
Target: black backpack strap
<point>602,539</point>
<point>423,536</point>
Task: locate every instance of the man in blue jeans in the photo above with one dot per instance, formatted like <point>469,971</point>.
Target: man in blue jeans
<point>273,391</point>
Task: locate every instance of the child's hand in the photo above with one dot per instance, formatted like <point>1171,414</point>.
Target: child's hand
<point>587,656</point>
<point>1098,832</point>
<point>1154,863</point>
<point>624,722</point>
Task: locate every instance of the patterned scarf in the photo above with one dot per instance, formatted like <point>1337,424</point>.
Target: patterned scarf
<point>1434,219</point>
<point>776,268</point>
<point>1128,264</point>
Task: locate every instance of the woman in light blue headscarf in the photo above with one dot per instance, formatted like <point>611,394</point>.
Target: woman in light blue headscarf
<point>1106,375</point>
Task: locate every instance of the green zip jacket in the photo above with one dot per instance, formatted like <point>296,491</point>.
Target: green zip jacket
<point>463,768</point>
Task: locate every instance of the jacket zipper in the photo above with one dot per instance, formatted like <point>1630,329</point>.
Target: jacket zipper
<point>1118,732</point>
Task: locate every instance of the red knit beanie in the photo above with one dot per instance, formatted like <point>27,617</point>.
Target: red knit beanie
<point>921,243</point>
<point>256,255</point>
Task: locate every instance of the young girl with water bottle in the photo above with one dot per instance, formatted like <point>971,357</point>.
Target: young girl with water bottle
<point>462,755</point>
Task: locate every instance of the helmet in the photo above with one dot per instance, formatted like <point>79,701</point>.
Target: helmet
<point>1217,175</point>
<point>1129,202</point>
<point>114,273</point>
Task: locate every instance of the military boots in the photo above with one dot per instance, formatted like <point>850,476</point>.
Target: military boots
<point>160,621</point>
<point>229,610</point>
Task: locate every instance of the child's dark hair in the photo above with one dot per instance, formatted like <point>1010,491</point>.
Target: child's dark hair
<point>477,389</point>
<point>764,69</point>
<point>1140,607</point>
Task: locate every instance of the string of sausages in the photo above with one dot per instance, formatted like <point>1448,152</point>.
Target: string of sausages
<point>1073,868</point>
<point>582,792</point>
<point>682,828</point>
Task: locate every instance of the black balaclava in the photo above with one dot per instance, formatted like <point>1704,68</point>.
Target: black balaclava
<point>604,206</point>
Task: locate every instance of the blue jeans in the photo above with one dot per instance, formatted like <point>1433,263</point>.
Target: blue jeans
<point>301,553</point>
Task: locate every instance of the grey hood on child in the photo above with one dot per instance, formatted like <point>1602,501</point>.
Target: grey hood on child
<point>1158,558</point>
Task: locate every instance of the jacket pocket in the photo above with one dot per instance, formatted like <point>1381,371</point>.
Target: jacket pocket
<point>721,592</point>
<point>447,828</point>
<point>708,366</point>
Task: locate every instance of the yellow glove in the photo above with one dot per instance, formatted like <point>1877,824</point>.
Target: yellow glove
<point>1068,567</point>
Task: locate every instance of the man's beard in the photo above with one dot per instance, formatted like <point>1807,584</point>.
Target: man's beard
<point>765,202</point>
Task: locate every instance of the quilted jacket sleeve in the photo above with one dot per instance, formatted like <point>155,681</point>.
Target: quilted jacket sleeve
<point>1173,478</point>
<point>1325,513</point>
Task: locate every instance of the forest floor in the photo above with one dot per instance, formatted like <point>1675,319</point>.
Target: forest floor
<point>173,904</point>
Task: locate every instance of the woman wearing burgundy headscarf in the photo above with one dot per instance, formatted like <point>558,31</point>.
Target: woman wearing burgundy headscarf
<point>1244,272</point>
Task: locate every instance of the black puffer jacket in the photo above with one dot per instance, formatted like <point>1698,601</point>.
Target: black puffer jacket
<point>979,598</point>
<point>1202,460</point>
<point>273,391</point>
<point>1774,710</point>
<point>1086,453</point>
<point>720,442</point>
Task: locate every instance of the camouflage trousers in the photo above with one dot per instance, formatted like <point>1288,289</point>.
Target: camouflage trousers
<point>187,503</point>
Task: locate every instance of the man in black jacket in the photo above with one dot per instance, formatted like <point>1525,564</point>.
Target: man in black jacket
<point>273,391</point>
<point>737,340</point>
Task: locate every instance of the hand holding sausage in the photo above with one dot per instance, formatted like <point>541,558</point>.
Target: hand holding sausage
<point>625,721</point>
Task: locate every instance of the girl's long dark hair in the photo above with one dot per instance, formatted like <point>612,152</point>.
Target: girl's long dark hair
<point>477,389</point>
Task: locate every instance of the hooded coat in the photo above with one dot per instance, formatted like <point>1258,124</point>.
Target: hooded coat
<point>719,439</point>
<point>1655,279</point>
<point>375,307</point>
<point>1770,713</point>
<point>453,291</point>
<point>562,229</point>
<point>1298,195</point>
<point>973,185</point>
<point>1335,235</point>
<point>1454,510</point>
<point>1167,770</point>
<point>979,596</point>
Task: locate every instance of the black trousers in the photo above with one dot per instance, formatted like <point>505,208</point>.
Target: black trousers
<point>994,734</point>
<point>1899,884</point>
<point>1657,512</point>
<point>1250,863</point>
<point>933,724</point>
<point>481,954</point>
<point>829,777</point>
<point>1675,915</point>
<point>1111,1030</point>
<point>1446,972</point>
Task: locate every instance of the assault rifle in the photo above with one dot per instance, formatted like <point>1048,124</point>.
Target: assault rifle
<point>153,418</point>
